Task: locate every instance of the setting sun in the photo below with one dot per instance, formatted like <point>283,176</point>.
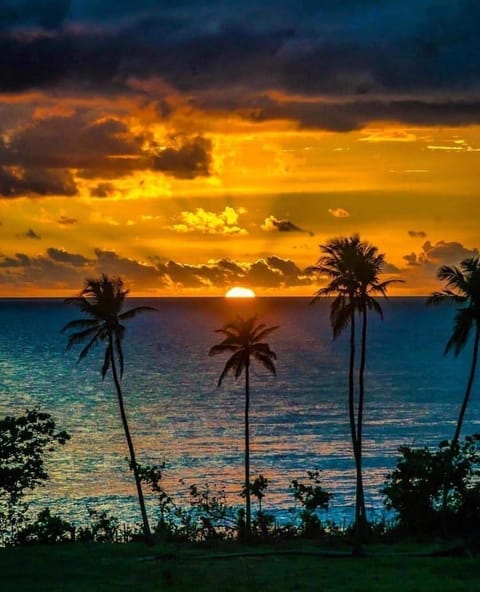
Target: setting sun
<point>238,292</point>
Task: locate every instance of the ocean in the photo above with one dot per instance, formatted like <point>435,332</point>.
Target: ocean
<point>177,415</point>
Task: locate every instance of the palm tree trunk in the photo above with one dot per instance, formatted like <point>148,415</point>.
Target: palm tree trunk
<point>456,436</point>
<point>133,461</point>
<point>361,398</point>
<point>469,387</point>
<point>248,511</point>
<point>351,386</point>
<point>357,545</point>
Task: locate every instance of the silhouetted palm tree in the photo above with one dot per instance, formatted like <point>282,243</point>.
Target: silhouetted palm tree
<point>244,340</point>
<point>462,286</point>
<point>353,267</point>
<point>102,302</point>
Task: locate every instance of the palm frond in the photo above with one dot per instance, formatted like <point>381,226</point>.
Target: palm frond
<point>233,364</point>
<point>464,321</point>
<point>130,314</point>
<point>265,333</point>
<point>88,347</point>
<point>79,323</point>
<point>106,361</point>
<point>81,336</point>
<point>445,297</point>
<point>265,361</point>
<point>373,304</point>
<point>453,278</point>
<point>118,347</point>
<point>221,348</point>
<point>264,349</point>
<point>242,338</point>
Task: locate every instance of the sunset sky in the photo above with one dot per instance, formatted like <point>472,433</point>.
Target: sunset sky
<point>191,146</point>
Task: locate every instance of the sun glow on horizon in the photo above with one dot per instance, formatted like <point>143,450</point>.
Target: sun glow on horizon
<point>238,292</point>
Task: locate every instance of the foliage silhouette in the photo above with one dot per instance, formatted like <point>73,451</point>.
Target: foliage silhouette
<point>24,442</point>
<point>415,488</point>
<point>311,497</point>
<point>102,301</point>
<point>462,286</point>
<point>244,340</point>
<point>353,267</point>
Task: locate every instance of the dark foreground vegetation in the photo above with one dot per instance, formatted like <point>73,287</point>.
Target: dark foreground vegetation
<point>202,542</point>
<point>294,566</point>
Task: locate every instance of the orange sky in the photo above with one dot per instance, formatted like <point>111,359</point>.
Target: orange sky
<point>189,191</point>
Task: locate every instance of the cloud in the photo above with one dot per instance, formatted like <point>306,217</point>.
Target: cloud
<point>32,234</point>
<point>102,190</point>
<point>75,141</point>
<point>440,253</point>
<point>58,268</point>
<point>205,222</point>
<point>390,268</point>
<point>192,158</point>
<point>412,259</point>
<point>273,224</point>
<point>64,257</point>
<point>270,272</point>
<point>19,181</point>
<point>338,213</point>
<point>235,53</point>
<point>66,221</point>
<point>417,233</point>
<point>138,274</point>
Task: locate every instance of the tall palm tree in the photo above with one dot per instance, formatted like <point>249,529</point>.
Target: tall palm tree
<point>353,267</point>
<point>102,301</point>
<point>244,340</point>
<point>462,286</point>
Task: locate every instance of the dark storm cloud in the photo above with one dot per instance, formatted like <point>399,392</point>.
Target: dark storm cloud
<point>426,48</point>
<point>35,181</point>
<point>73,142</point>
<point>353,115</point>
<point>46,150</point>
<point>47,14</point>
<point>191,159</point>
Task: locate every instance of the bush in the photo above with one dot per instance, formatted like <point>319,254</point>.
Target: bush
<point>311,497</point>
<point>415,489</point>
<point>24,442</point>
<point>46,530</point>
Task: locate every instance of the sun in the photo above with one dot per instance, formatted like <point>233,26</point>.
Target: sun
<point>238,292</point>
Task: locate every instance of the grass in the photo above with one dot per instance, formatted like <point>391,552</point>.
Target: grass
<point>107,568</point>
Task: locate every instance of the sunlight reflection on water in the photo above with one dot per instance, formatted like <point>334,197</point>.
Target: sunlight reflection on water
<point>298,420</point>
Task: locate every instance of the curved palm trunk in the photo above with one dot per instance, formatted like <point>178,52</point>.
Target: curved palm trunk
<point>248,511</point>
<point>469,387</point>
<point>133,461</point>
<point>458,429</point>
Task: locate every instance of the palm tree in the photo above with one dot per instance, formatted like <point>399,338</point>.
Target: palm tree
<point>244,340</point>
<point>462,287</point>
<point>102,302</point>
<point>353,267</point>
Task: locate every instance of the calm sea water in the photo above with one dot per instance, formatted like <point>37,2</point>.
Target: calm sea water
<point>177,414</point>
